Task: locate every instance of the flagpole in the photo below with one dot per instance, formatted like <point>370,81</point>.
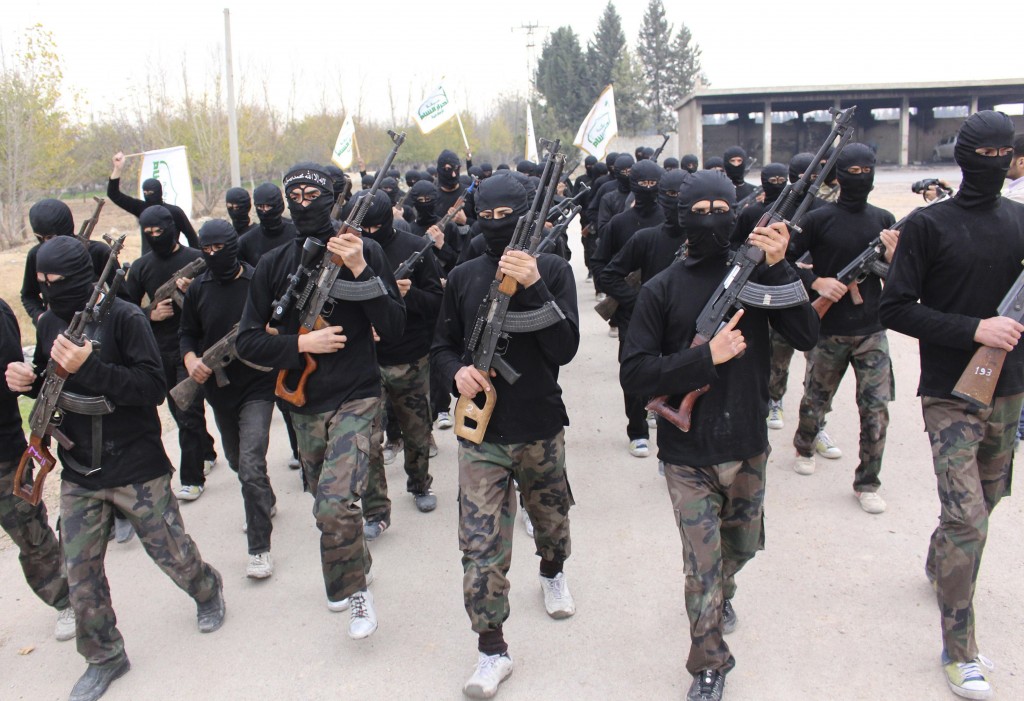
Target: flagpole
<point>461,129</point>
<point>355,141</point>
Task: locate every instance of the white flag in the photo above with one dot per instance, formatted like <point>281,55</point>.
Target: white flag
<point>531,137</point>
<point>600,126</point>
<point>435,110</point>
<point>170,167</point>
<point>342,154</point>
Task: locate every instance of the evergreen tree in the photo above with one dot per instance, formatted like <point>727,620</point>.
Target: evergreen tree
<point>604,50</point>
<point>686,71</point>
<point>654,50</point>
<point>560,77</point>
<point>631,112</point>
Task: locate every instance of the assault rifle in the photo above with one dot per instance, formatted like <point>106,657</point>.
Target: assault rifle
<point>735,288</point>
<point>169,290</point>
<point>657,151</point>
<point>495,322</point>
<point>216,357</point>
<point>551,235</point>
<point>85,232</point>
<point>868,261</point>
<point>457,207</point>
<point>749,199</point>
<point>406,266</point>
<point>46,412</point>
<point>566,205</point>
<point>324,287</point>
<point>609,305</point>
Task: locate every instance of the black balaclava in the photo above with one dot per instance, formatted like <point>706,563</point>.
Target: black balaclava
<point>412,177</point>
<point>393,173</point>
<point>622,164</point>
<point>854,189</point>
<point>476,172</point>
<point>690,163</point>
<point>772,191</point>
<point>798,165</point>
<point>425,215</point>
<point>588,165</point>
<point>160,217</point>
<point>668,197</point>
<point>648,152</point>
<point>735,173</point>
<point>707,236</point>
<point>314,219</point>
<point>502,166</point>
<point>671,163</point>
<point>379,214</point>
<point>239,217</point>
<point>448,169</point>
<point>486,171</point>
<point>500,192</point>
<point>714,163</point>
<point>525,166</point>
<point>645,198</point>
<point>529,183</point>
<point>389,186</point>
<point>51,218</point>
<point>367,181</point>
<point>638,153</point>
<point>983,175</point>
<point>153,186</point>
<point>338,180</point>
<point>432,172</point>
<point>223,265</point>
<point>465,180</point>
<point>271,220</point>
<point>600,170</point>
<point>64,255</point>
<point>609,161</point>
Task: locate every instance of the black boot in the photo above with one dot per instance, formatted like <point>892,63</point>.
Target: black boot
<point>93,684</point>
<point>210,614</point>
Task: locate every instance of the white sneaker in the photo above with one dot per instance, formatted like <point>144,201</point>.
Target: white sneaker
<point>638,448</point>
<point>392,449</point>
<point>775,416</point>
<point>527,523</point>
<point>652,420</point>
<point>826,447</point>
<point>339,606</point>
<point>600,296</point>
<point>871,502</point>
<point>65,629</point>
<point>491,670</point>
<point>273,513</point>
<point>613,331</point>
<point>260,566</point>
<point>804,466</point>
<point>967,679</point>
<point>208,466</point>
<point>557,598</point>
<point>189,492</point>
<point>444,420</point>
<point>362,618</point>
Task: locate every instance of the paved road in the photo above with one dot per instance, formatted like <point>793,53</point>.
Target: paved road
<point>836,608</point>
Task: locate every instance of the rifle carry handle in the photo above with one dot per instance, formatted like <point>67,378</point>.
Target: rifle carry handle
<point>467,412</point>
<point>297,396</point>
<point>978,382</point>
<point>32,492</point>
<point>681,418</point>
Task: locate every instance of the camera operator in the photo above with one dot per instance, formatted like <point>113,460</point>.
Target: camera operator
<point>929,188</point>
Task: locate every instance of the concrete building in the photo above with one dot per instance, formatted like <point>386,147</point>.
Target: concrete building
<point>904,122</point>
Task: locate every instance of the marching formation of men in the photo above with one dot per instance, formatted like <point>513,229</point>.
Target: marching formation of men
<point>360,316</point>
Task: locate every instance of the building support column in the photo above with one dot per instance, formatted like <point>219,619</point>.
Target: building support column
<point>974,104</point>
<point>904,159</point>
<point>767,133</point>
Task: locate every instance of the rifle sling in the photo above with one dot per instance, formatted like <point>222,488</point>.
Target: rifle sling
<point>361,291</point>
<point>773,296</point>
<point>533,320</point>
<point>97,407</point>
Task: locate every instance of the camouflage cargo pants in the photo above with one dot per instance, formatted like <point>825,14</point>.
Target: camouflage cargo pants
<point>408,387</point>
<point>782,356</point>
<point>972,452</point>
<point>826,365</point>
<point>719,510</point>
<point>487,509</point>
<point>335,451</point>
<point>86,517</point>
<point>38,548</point>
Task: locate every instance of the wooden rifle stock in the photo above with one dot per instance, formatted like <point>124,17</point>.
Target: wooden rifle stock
<point>681,418</point>
<point>471,419</point>
<point>32,489</point>
<point>977,384</point>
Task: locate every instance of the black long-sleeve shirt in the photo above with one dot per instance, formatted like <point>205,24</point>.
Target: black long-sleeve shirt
<point>12,438</point>
<point>446,200</point>
<point>729,420</point>
<point>257,241</point>
<point>835,235</point>
<point>350,373</point>
<point>448,254</point>
<point>145,276</point>
<point>422,301</point>
<point>602,186</point>
<point>650,251</point>
<point>126,370</point>
<point>32,296</point>
<point>951,269</point>
<point>136,207</point>
<point>619,231</point>
<point>208,312</point>
<point>612,202</point>
<point>532,408</point>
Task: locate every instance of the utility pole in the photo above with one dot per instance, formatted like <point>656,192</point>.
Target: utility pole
<point>529,28</point>
<point>236,171</point>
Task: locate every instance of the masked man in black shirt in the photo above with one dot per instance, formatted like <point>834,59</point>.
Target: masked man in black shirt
<point>239,204</point>
<point>342,397</point>
<point>524,440</point>
<point>117,461</point>
<point>153,191</point>
<point>955,262</point>
<point>716,471</point>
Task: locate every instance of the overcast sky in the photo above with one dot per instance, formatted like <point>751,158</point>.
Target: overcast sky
<point>341,52</point>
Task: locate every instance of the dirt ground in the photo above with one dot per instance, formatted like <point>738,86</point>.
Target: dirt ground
<point>837,607</point>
